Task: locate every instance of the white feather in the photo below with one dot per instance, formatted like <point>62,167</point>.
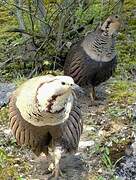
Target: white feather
<point>42,90</point>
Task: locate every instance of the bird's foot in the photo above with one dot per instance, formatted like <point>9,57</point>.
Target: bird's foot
<point>51,167</point>
<point>95,100</point>
<point>55,174</point>
<point>97,103</point>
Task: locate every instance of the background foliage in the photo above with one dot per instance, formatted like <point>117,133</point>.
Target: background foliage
<point>36,35</point>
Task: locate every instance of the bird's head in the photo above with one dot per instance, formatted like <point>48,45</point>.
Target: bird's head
<point>63,84</point>
<point>53,96</point>
<point>112,25</point>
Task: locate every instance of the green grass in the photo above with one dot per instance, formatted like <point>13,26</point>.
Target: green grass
<point>8,170</point>
<point>123,91</point>
<point>7,21</point>
<point>4,117</point>
<point>126,45</point>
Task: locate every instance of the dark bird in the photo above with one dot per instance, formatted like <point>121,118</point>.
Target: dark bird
<point>44,115</point>
<point>93,59</point>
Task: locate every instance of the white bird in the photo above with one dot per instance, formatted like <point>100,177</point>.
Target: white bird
<point>44,115</point>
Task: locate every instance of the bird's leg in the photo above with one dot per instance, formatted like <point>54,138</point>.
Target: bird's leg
<point>92,95</point>
<point>57,156</point>
<point>94,98</point>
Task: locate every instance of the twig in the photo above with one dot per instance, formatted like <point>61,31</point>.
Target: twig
<point>25,32</point>
<point>27,11</point>
<point>5,62</point>
<point>33,71</point>
<point>32,22</point>
<point>110,10</point>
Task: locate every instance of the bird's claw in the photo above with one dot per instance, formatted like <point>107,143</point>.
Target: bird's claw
<point>55,174</point>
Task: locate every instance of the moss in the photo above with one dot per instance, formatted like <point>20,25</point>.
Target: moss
<point>126,41</point>
<point>8,168</point>
<point>4,116</point>
<point>117,150</point>
<point>123,92</point>
<point>7,21</point>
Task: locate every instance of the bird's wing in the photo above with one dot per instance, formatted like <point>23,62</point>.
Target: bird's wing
<point>24,132</point>
<point>75,64</point>
<point>73,128</point>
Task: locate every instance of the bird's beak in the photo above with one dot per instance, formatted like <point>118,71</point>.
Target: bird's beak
<point>78,89</point>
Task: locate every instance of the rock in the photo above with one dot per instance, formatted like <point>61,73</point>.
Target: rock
<point>134,112</point>
<point>127,168</point>
<point>85,144</point>
<point>5,91</point>
<point>74,167</point>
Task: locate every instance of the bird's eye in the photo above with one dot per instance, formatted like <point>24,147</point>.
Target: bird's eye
<point>116,16</point>
<point>71,84</point>
<point>63,83</point>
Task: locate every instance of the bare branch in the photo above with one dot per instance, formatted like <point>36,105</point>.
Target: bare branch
<point>5,62</point>
<point>32,22</point>
<point>27,11</point>
<point>25,32</point>
<point>41,13</point>
<point>19,15</point>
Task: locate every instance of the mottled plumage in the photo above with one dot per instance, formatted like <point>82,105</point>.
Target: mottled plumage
<point>30,123</point>
<point>93,59</point>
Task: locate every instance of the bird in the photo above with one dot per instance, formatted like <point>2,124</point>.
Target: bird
<point>92,60</point>
<point>45,116</point>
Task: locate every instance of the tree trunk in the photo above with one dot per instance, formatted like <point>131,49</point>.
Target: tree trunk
<point>41,13</point>
<point>66,5</point>
<point>19,15</point>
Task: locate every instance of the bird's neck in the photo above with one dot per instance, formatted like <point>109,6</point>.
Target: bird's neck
<point>57,103</point>
<point>58,112</point>
<point>99,46</point>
